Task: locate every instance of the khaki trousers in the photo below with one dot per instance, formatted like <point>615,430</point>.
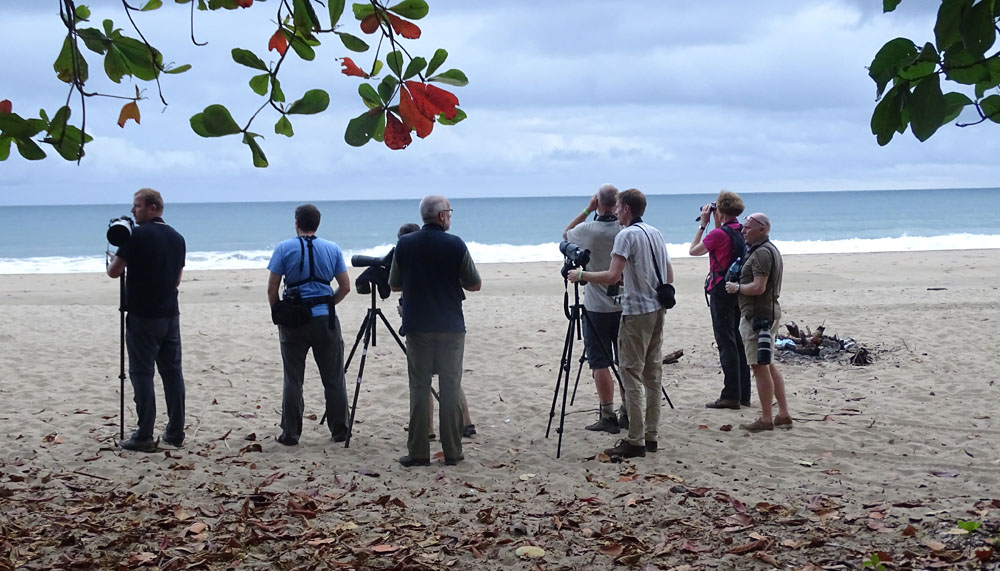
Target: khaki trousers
<point>639,344</point>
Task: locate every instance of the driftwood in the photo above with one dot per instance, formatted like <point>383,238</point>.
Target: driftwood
<point>816,344</point>
<point>672,358</point>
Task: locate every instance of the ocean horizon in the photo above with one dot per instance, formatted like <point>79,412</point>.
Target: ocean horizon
<point>69,239</point>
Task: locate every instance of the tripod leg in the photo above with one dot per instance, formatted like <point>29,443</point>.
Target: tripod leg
<point>562,413</point>
<point>347,363</point>
<point>563,368</point>
<point>579,371</point>
<point>121,374</point>
<point>666,397</point>
<point>370,324</point>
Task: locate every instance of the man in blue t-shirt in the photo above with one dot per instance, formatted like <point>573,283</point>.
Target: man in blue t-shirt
<point>309,265</point>
<point>154,256</point>
<point>431,268</point>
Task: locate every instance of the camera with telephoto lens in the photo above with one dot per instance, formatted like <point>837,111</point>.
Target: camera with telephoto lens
<point>763,328</point>
<point>576,257</point>
<point>711,208</point>
<point>376,275</point>
<point>120,230</point>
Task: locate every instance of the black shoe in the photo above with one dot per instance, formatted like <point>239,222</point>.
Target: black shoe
<point>607,424</point>
<point>338,437</point>
<point>745,403</point>
<point>469,431</point>
<point>625,450</point>
<point>650,446</point>
<point>622,418</point>
<point>732,404</point>
<point>287,441</point>
<point>171,443</point>
<point>408,461</point>
<point>453,461</point>
<point>136,445</point>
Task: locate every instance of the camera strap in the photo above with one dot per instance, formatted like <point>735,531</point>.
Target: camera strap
<point>304,242</point>
<point>770,276</point>
<point>652,253</point>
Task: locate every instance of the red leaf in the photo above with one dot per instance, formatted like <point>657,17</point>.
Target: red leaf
<point>369,24</point>
<point>244,3</point>
<point>443,99</point>
<point>397,135</point>
<point>350,68</point>
<point>404,28</point>
<point>6,106</point>
<point>412,115</point>
<point>278,42</point>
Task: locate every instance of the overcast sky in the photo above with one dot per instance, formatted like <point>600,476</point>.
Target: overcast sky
<point>668,97</point>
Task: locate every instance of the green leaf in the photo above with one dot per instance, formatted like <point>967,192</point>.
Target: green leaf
<point>954,104</point>
<point>969,526</point>
<point>415,66</point>
<point>459,116</point>
<point>29,149</point>
<point>436,61</point>
<point>917,71</point>
<point>259,160</point>
<point>896,53</point>
<point>949,20</point>
<point>314,101</point>
<point>361,129</point>
<point>395,62</point>
<point>303,16</point>
<point>64,64</point>
<point>353,43</point>
<point>65,138</point>
<point>178,69</point>
<point>889,5</point>
<point>258,83</point>
<point>249,59</point>
<point>977,29</point>
<point>387,88</point>
<point>929,53</point>
<point>963,67</point>
<point>412,9</point>
<point>152,5</point>
<point>369,95</point>
<point>451,77</point>
<point>336,8</point>
<point>379,134</point>
<point>108,27</point>
<point>82,13</point>
<point>17,127</point>
<point>114,66</point>
<point>361,11</point>
<point>4,147</point>
<point>93,39</point>
<point>886,118</point>
<point>214,121</point>
<point>283,127</point>
<point>140,60</point>
<point>991,108</point>
<point>301,47</point>
<point>277,94</point>
<point>376,68</point>
<point>927,107</point>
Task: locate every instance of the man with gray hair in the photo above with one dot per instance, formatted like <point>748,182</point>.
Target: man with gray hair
<point>431,268</point>
<point>600,331</point>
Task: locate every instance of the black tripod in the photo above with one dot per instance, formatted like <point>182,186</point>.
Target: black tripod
<point>574,313</point>
<point>121,373</point>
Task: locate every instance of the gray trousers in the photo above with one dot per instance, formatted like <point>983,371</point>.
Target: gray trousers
<point>442,353</point>
<point>328,352</point>
<point>155,343</point>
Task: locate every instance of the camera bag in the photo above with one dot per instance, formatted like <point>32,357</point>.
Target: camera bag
<point>293,310</point>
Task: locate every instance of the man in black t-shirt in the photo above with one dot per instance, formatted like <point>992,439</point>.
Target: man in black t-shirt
<point>431,268</point>
<point>154,256</point>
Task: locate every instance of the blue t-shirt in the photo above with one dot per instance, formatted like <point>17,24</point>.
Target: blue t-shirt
<point>328,262</point>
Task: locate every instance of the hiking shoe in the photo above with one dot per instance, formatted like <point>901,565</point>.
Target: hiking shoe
<point>136,445</point>
<point>622,418</point>
<point>650,446</point>
<point>745,403</point>
<point>453,461</point>
<point>783,422</point>
<point>171,443</point>
<point>625,450</point>
<point>731,404</point>
<point>757,426</point>
<point>339,437</point>
<point>408,461</point>
<point>607,424</point>
<point>469,431</point>
<point>287,440</point>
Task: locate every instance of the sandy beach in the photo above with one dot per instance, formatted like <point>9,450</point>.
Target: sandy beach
<point>882,458</point>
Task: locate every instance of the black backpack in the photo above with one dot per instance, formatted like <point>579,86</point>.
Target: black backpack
<point>737,250</point>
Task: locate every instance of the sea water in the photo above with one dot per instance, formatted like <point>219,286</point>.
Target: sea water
<point>60,239</point>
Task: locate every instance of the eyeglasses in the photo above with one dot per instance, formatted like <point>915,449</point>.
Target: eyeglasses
<point>749,218</point>
<point>448,210</point>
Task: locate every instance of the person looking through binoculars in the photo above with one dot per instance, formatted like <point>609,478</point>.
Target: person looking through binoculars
<point>605,312</point>
<point>154,256</point>
<point>759,287</point>
<point>431,268</point>
<point>641,255</point>
<point>309,265</point>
